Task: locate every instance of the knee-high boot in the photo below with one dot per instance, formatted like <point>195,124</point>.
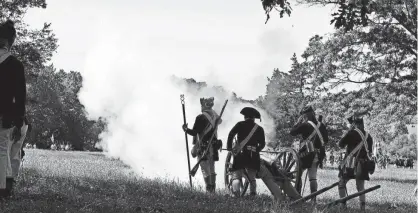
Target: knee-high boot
<point>9,185</point>
<point>236,187</point>
<point>342,190</point>
<point>314,188</point>
<point>213,183</point>
<point>207,183</point>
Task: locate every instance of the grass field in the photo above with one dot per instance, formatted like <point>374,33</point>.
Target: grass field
<point>54,181</point>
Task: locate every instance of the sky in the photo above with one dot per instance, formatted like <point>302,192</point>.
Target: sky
<point>222,42</point>
<point>127,50</point>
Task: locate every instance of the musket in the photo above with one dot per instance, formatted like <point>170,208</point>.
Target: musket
<point>271,152</point>
<point>196,167</point>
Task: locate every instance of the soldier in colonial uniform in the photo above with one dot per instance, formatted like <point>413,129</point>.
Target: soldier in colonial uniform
<point>202,131</point>
<point>312,148</point>
<point>358,144</point>
<point>251,140</point>
<point>12,103</point>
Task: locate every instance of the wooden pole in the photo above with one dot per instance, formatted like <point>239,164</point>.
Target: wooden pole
<point>352,196</point>
<point>187,142</point>
<point>314,194</point>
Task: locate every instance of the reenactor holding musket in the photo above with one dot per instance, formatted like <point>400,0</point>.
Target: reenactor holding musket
<point>312,147</point>
<point>358,144</point>
<point>202,131</point>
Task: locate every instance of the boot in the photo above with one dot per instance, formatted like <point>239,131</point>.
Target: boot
<point>213,183</point>
<point>314,188</point>
<point>207,183</point>
<point>343,206</point>
<point>9,185</point>
<point>363,206</point>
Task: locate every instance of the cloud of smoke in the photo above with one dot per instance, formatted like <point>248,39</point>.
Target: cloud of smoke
<point>142,105</point>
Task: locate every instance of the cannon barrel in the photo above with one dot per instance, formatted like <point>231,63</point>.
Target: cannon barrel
<point>352,196</point>
<point>314,194</point>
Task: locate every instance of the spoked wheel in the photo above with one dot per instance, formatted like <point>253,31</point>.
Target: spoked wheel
<point>288,162</point>
<point>228,176</point>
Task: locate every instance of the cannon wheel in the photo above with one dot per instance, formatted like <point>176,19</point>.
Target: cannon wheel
<point>228,176</point>
<point>286,158</point>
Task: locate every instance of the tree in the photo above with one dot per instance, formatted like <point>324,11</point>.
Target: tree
<point>57,110</point>
<point>44,107</point>
<point>34,47</point>
<point>357,13</point>
<point>286,94</point>
<point>405,146</point>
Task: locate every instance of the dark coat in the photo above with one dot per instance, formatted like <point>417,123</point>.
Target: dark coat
<point>305,129</point>
<point>201,122</point>
<point>247,158</point>
<point>350,141</point>
<point>12,87</point>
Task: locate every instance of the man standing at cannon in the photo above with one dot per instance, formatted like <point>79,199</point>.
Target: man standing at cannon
<point>202,131</point>
<point>251,140</point>
<point>358,144</point>
<point>312,147</point>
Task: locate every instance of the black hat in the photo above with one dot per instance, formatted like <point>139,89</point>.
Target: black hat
<point>355,119</point>
<point>250,112</point>
<point>8,31</point>
<point>306,109</point>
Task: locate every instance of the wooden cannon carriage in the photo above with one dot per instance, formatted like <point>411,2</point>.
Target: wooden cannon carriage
<point>289,163</point>
<point>287,158</point>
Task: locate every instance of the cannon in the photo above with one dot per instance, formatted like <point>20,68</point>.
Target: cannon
<point>288,161</point>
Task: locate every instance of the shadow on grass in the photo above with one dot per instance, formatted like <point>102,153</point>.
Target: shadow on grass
<point>372,207</point>
<point>100,154</point>
<point>404,181</point>
<point>379,178</point>
<point>36,192</point>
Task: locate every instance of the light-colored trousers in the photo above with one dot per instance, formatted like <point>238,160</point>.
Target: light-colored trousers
<point>237,180</point>
<point>10,154</point>
<point>208,166</point>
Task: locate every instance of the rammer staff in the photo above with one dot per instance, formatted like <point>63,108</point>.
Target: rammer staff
<point>187,142</point>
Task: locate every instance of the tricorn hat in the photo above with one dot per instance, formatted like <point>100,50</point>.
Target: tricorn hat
<point>306,109</point>
<point>355,119</point>
<point>250,112</point>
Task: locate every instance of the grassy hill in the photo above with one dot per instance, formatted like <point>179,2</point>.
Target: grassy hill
<point>54,181</point>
